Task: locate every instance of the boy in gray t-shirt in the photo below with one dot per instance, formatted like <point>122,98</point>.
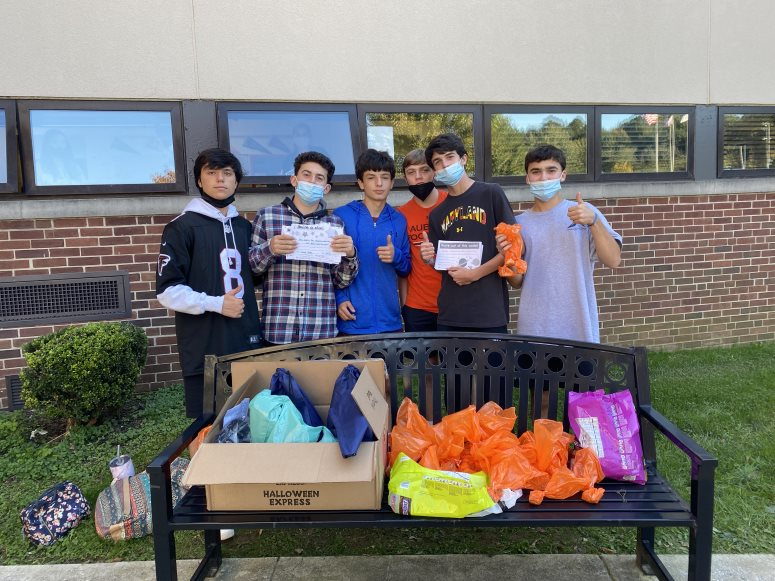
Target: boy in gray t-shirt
<point>564,240</point>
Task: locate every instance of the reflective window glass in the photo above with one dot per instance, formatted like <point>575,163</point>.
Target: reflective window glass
<point>747,141</point>
<point>72,147</point>
<point>267,142</point>
<point>514,134</point>
<point>645,143</point>
<point>400,133</point>
<point>3,150</point>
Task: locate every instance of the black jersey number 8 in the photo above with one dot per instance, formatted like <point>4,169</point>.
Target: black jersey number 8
<point>231,264</point>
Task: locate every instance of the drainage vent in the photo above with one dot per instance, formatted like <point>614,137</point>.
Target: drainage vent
<point>64,298</point>
<point>13,386</point>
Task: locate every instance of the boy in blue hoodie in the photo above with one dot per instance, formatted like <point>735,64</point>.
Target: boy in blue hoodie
<point>371,304</point>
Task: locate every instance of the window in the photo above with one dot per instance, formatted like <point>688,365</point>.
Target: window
<point>101,147</point>
<point>3,148</point>
<point>9,179</point>
<point>513,131</point>
<point>267,139</point>
<point>745,138</point>
<point>398,129</point>
<point>648,144</point>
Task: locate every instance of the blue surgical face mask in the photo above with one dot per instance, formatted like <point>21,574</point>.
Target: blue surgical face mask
<point>309,193</point>
<point>545,191</point>
<point>451,175</point>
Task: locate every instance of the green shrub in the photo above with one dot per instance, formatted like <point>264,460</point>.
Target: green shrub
<point>83,374</point>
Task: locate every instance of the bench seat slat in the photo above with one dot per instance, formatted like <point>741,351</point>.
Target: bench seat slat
<point>623,504</point>
<point>355,519</point>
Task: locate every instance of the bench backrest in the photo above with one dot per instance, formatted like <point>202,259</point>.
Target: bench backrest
<point>444,372</point>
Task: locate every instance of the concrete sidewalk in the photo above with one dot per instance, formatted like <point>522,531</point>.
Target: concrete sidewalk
<point>408,567</point>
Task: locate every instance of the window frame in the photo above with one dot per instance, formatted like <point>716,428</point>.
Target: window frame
<point>601,110</point>
<point>11,185</point>
<point>738,173</point>
<point>388,108</point>
<point>271,183</point>
<point>489,110</point>
<point>178,150</point>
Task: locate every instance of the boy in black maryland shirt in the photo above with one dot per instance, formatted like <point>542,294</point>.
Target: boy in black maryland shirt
<point>471,299</point>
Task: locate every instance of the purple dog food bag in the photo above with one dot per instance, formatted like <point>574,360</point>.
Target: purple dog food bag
<point>608,424</point>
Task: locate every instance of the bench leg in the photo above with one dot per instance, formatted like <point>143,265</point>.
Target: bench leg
<point>644,542</point>
<point>164,549</point>
<point>700,550</point>
<point>213,558</point>
<point>701,536</point>
<point>646,557</point>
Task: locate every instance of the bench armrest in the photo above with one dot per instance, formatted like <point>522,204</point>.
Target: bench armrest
<point>696,453</point>
<point>176,447</point>
<point>159,471</point>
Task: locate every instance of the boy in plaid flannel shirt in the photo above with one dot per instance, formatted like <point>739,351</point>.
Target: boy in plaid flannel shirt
<point>299,303</point>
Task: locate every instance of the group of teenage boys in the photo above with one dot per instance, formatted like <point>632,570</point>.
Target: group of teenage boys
<point>385,280</point>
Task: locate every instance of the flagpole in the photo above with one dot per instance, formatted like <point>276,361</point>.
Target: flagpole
<point>672,144</point>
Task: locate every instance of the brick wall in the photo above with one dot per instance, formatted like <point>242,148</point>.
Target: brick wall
<point>66,245</point>
<point>696,271</point>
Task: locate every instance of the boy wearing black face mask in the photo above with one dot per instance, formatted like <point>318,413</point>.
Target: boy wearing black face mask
<point>204,276</point>
<point>420,290</point>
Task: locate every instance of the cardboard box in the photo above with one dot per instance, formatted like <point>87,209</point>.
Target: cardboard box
<point>297,476</point>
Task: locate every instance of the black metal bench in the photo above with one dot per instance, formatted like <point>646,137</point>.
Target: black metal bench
<point>468,368</point>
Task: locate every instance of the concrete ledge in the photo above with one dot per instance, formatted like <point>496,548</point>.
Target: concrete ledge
<point>403,567</point>
<point>151,205</point>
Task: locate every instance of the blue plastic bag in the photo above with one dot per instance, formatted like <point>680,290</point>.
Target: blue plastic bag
<point>236,426</point>
<point>283,383</point>
<point>345,419</point>
<point>274,419</point>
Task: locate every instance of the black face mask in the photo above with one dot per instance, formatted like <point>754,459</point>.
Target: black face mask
<point>217,203</point>
<point>422,191</point>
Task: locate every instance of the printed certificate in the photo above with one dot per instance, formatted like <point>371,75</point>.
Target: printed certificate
<point>313,242</point>
<point>462,254</point>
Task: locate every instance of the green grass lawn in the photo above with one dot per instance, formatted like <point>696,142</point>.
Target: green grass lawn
<point>723,397</point>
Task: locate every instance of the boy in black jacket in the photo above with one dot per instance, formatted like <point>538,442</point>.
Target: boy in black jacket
<point>204,276</point>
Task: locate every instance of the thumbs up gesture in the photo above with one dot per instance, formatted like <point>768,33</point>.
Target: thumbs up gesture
<point>581,213</point>
<point>427,252</point>
<point>233,306</point>
<point>387,253</point>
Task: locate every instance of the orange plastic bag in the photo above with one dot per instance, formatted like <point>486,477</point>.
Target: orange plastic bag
<point>528,443</point>
<point>493,418</point>
<point>430,458</point>
<point>507,464</point>
<point>193,447</point>
<point>483,441</point>
<point>513,257</point>
<point>564,482</point>
<point>551,445</point>
<point>411,435</point>
<point>586,465</point>
<point>453,431</point>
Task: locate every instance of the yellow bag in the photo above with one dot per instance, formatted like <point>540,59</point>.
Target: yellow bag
<point>419,491</point>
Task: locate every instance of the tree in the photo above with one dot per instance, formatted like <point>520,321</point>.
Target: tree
<point>415,130</point>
